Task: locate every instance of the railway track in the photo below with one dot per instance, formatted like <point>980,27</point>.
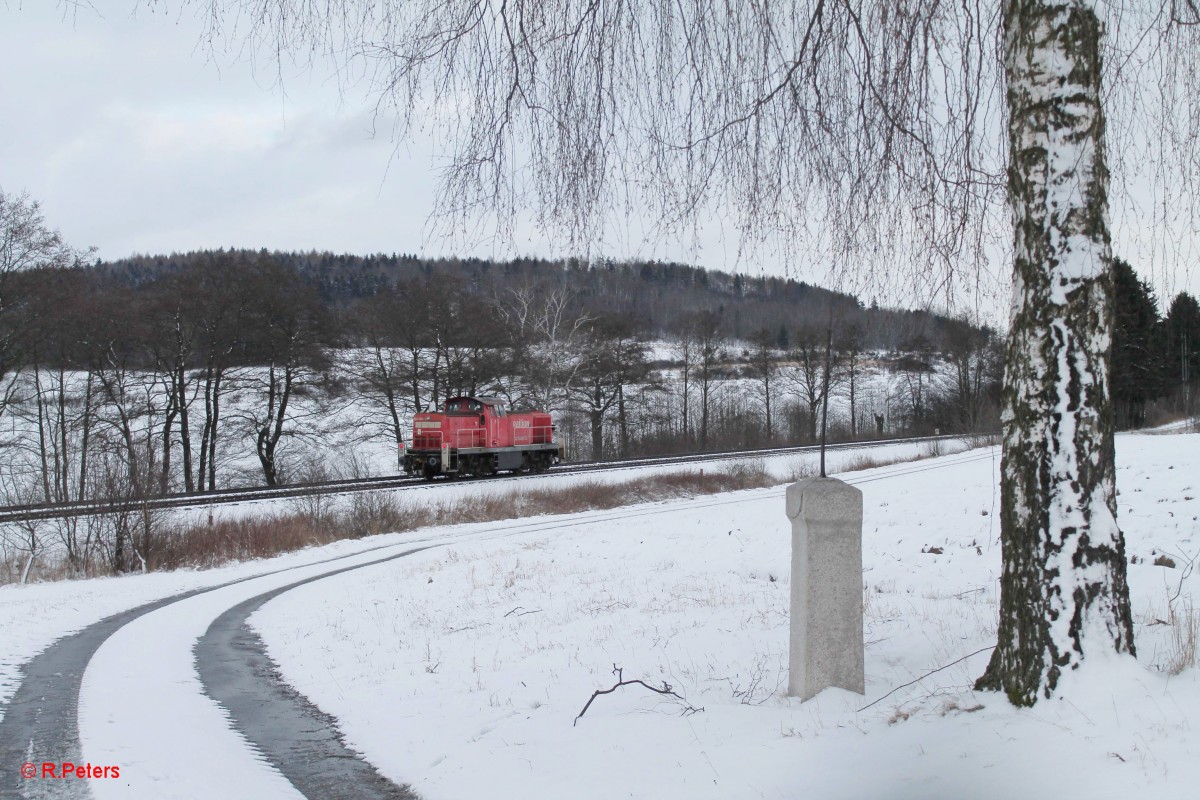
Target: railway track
<point>43,511</point>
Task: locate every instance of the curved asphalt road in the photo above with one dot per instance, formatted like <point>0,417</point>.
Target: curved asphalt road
<point>41,721</point>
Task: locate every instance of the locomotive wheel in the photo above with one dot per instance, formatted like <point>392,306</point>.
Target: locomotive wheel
<point>428,473</point>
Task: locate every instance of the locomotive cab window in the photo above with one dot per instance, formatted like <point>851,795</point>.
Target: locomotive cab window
<point>465,407</point>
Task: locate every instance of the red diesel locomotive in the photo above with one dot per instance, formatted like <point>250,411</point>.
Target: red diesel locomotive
<point>477,436</point>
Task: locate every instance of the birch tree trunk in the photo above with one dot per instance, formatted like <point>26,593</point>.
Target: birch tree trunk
<point>1064,595</point>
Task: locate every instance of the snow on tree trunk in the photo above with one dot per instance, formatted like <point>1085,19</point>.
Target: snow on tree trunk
<point>1063,590</point>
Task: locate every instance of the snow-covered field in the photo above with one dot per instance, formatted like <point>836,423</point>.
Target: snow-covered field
<point>34,616</point>
<point>461,670</point>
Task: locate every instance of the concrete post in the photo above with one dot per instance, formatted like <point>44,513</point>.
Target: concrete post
<point>827,607</point>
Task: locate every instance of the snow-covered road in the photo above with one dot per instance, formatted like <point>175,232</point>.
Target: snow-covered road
<point>123,693</point>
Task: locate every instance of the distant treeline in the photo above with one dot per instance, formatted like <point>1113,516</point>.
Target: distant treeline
<point>194,372</point>
<point>658,296</point>
<point>137,378</point>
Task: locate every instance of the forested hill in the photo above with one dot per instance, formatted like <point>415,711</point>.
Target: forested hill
<point>658,295</point>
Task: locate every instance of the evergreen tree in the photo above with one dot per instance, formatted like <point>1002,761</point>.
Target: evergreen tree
<point>1181,351</point>
<point>1136,367</point>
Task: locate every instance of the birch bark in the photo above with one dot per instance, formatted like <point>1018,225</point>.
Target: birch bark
<point>1063,590</point>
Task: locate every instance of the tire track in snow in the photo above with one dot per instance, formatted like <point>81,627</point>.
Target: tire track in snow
<point>295,736</point>
<point>41,720</point>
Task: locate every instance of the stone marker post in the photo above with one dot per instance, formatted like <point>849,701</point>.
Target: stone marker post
<point>827,599</point>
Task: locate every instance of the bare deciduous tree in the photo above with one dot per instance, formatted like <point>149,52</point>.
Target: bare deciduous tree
<point>386,373</point>
<point>288,322</point>
<point>849,358</point>
<point>763,369</point>
<point>916,372</point>
<point>548,330</point>
<point>709,351</point>
<point>805,374</point>
<point>974,364</point>
<point>26,243</point>
<point>24,538</point>
<point>220,307</point>
<point>685,350</point>
<point>612,360</point>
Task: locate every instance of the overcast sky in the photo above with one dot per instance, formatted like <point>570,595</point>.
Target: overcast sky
<point>136,140</point>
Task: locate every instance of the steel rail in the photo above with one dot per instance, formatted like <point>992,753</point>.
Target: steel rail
<point>82,508</point>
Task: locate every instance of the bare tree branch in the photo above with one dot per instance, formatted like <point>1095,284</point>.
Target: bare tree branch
<point>665,689</point>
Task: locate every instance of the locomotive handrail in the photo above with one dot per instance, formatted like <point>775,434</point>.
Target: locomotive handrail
<point>470,435</point>
<point>523,435</point>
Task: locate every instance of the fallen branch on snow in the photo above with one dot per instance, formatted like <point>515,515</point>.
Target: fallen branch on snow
<point>520,613</point>
<point>665,690</point>
<point>926,675</point>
